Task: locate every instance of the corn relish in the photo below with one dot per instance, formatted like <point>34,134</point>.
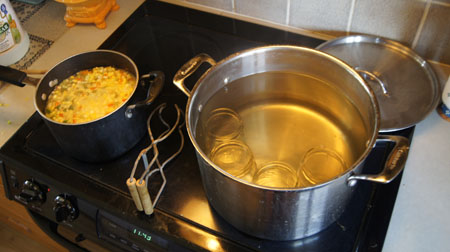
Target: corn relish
<point>89,95</point>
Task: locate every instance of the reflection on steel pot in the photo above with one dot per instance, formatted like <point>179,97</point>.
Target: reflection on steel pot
<point>291,100</point>
<point>107,137</point>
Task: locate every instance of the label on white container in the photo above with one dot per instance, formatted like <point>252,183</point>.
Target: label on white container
<point>446,99</point>
<point>446,93</point>
<point>11,32</point>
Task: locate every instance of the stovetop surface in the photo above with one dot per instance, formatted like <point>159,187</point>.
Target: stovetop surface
<point>164,37</point>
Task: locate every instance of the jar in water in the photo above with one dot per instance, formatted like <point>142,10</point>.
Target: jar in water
<point>319,166</point>
<point>223,125</point>
<point>234,157</point>
<point>276,174</point>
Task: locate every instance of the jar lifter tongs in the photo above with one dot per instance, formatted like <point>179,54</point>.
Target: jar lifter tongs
<point>138,187</point>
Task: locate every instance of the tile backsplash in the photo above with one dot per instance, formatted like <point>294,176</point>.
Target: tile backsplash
<point>423,25</point>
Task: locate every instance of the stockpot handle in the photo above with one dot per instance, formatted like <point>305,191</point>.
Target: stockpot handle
<point>189,68</point>
<point>156,82</point>
<point>394,163</point>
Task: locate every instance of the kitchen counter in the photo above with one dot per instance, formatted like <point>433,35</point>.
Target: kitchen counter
<point>420,219</point>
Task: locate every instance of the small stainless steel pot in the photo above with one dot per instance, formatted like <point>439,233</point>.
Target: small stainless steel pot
<point>292,213</point>
<point>109,136</point>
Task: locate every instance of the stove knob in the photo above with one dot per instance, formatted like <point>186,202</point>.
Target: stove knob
<point>65,208</point>
<point>31,193</point>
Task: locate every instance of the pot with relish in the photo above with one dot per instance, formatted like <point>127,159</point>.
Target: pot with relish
<point>93,106</point>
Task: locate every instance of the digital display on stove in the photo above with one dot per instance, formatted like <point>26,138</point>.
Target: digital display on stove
<point>126,235</point>
<point>141,234</point>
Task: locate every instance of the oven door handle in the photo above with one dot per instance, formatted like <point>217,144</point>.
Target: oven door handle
<point>49,227</point>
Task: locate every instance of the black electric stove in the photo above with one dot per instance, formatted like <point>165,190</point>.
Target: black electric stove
<point>95,204</point>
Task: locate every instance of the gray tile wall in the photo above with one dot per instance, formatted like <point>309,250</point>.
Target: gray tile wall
<point>311,15</point>
<point>274,11</point>
<point>423,25</point>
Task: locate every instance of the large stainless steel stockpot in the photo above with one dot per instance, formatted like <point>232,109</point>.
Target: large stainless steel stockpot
<point>287,213</point>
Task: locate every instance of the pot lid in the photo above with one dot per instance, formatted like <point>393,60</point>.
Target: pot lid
<point>405,85</point>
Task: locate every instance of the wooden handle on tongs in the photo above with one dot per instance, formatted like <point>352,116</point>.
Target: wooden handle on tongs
<point>145,197</point>
<point>131,184</point>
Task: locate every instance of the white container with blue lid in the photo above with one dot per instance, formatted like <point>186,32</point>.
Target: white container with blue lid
<point>14,41</point>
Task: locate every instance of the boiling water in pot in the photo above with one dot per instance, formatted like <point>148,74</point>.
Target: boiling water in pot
<point>299,130</point>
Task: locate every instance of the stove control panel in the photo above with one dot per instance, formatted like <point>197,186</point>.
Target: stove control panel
<point>57,206</point>
<point>41,197</point>
<point>35,194</point>
<point>65,208</point>
<point>132,238</point>
<point>31,193</point>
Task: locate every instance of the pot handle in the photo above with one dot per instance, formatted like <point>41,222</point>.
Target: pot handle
<point>394,163</point>
<point>156,79</point>
<point>189,68</point>
<point>16,77</point>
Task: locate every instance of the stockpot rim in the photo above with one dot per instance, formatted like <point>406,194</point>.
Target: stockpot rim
<point>217,66</point>
<point>41,113</point>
